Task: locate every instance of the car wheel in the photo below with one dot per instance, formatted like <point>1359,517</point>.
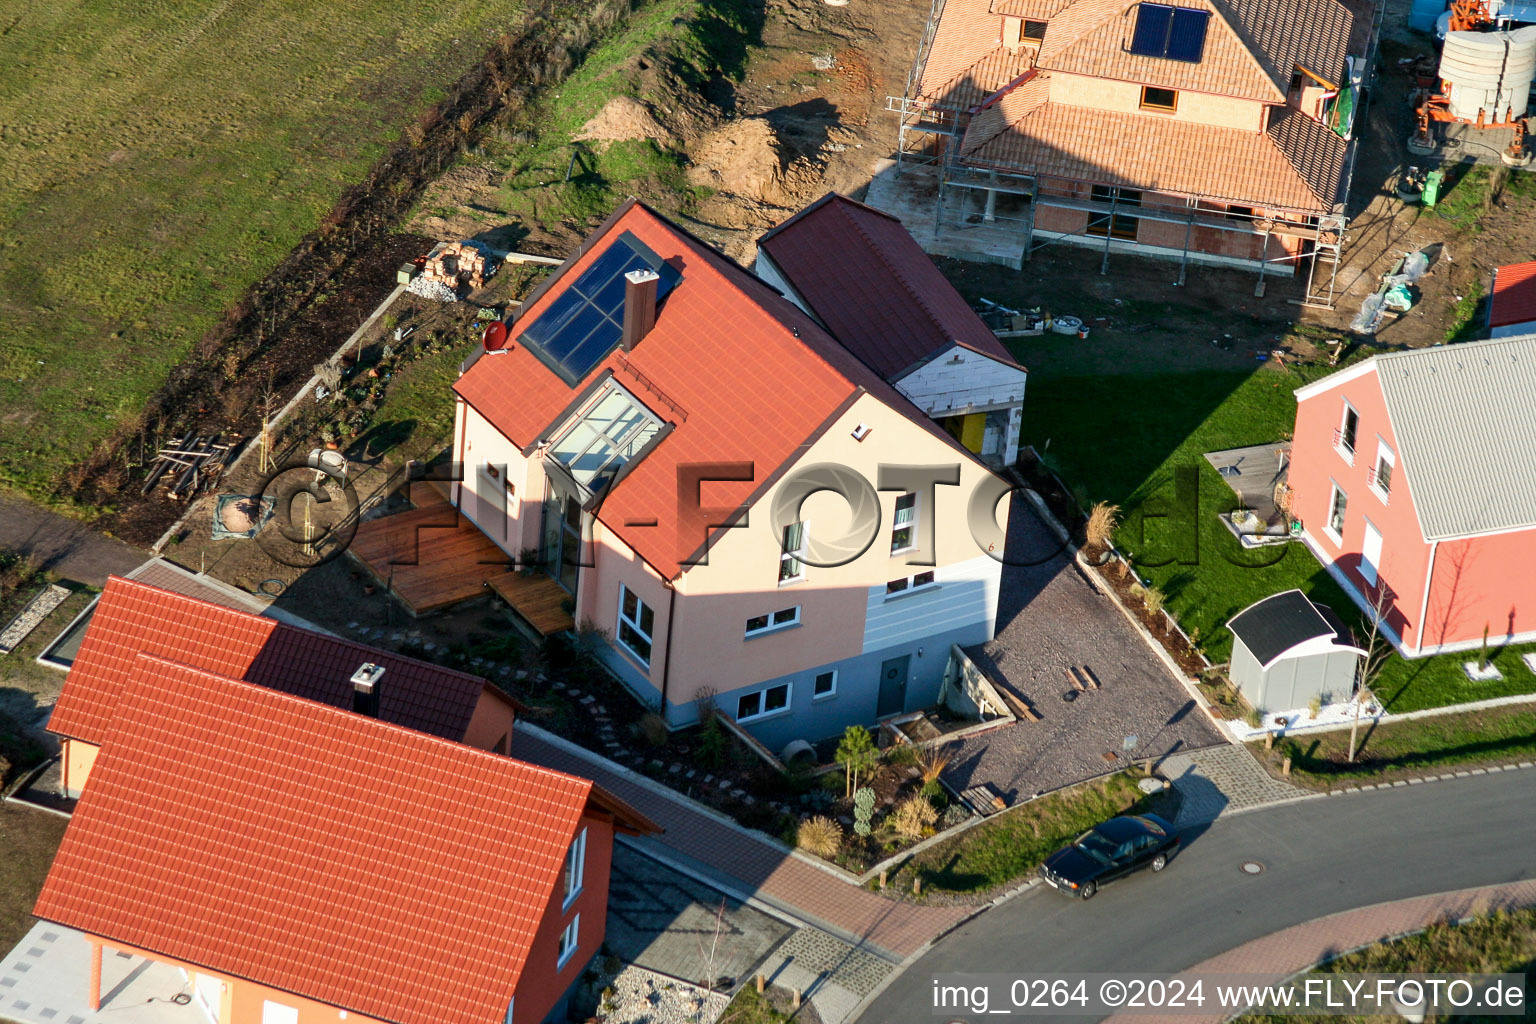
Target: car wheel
<point>1159,862</point>
<point>1089,888</point>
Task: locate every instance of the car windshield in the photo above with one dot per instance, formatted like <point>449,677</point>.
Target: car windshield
<point>1100,848</point>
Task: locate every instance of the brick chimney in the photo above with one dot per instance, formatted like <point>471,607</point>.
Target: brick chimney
<point>639,306</point>
<point>365,689</point>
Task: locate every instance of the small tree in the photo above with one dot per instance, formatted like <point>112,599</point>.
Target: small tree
<point>1482,656</point>
<point>863,810</point>
<point>857,753</point>
<point>1377,651</point>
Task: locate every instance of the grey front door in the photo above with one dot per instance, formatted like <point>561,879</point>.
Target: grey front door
<point>893,687</point>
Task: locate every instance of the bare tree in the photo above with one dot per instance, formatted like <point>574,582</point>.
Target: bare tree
<point>1377,651</point>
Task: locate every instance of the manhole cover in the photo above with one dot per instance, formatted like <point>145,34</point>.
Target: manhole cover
<point>1252,867</point>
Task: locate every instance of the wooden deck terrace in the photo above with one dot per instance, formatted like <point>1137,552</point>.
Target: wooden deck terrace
<point>432,558</point>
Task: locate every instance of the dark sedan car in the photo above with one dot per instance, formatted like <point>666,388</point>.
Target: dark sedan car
<point>1109,851</point>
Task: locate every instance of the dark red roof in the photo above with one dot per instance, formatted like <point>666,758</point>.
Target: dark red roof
<point>1514,295</point>
<point>133,618</point>
<point>742,373</point>
<point>865,277</point>
<point>319,852</point>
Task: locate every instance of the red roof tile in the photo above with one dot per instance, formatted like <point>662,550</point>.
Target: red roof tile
<point>1514,295</point>
<point>742,373</point>
<point>868,280</point>
<point>134,618</point>
<point>316,851</point>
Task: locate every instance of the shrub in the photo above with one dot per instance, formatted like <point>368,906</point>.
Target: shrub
<point>713,745</point>
<point>864,811</point>
<point>1102,521</point>
<point>914,817</point>
<point>821,836</point>
<point>932,762</point>
<point>1254,718</point>
<point>654,729</point>
<point>1153,600</point>
<point>902,755</point>
<point>935,794</point>
<point>1315,705</point>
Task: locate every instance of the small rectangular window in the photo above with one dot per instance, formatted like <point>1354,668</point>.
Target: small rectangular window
<point>904,530</point>
<point>906,583</point>
<point>760,703</point>
<point>1344,437</point>
<point>1381,473</point>
<point>1240,213</point>
<point>1337,507</point>
<point>776,698</point>
<point>749,705</point>
<point>773,620</point>
<point>825,685</point>
<point>1034,31</point>
<point>636,623</point>
<point>575,866</point>
<point>791,559</point>
<point>1153,98</point>
<point>569,940</point>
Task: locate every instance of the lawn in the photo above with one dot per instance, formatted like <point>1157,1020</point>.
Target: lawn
<point>1009,846</point>
<point>29,838</point>
<point>1408,749</point>
<point>1496,943</point>
<point>162,157</point>
<point>1138,440</point>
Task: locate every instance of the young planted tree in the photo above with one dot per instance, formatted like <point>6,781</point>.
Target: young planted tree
<point>1377,651</point>
<point>858,755</point>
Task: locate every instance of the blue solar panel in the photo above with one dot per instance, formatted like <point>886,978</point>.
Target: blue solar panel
<point>1172,33</point>
<point>585,321</point>
<point>1151,36</point>
<point>1186,39</point>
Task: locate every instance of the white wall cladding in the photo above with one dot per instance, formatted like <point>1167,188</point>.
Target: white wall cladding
<point>966,595</point>
<point>961,381</point>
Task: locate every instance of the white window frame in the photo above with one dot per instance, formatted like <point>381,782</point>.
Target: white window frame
<point>1384,453</point>
<point>774,625</point>
<point>909,584</point>
<point>911,524</point>
<point>624,620</point>
<point>1333,495</point>
<point>762,702</point>
<point>817,678</point>
<point>278,1013</point>
<point>575,867</point>
<point>795,555</point>
<point>1374,575</point>
<point>570,941</point>
<point>1347,453</point>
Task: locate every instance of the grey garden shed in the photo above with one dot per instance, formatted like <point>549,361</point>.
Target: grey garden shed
<point>1288,650</point>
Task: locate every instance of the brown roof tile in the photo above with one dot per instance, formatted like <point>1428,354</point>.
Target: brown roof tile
<point>1161,155</point>
<point>1035,10</point>
<point>1317,153</point>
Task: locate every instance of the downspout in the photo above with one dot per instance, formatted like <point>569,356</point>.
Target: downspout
<point>666,659</point>
<point>1434,549</point>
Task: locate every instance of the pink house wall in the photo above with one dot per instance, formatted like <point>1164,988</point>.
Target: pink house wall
<point>1483,581</point>
<point>1316,465</point>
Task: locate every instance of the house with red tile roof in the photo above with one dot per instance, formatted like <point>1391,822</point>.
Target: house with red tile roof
<point>132,618</point>
<point>1217,131</point>
<point>1512,305</point>
<point>867,281</point>
<point>304,863</point>
<point>1412,476</point>
<point>750,516</point>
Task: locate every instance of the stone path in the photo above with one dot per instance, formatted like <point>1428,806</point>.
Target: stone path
<point>1297,948</point>
<point>703,842</point>
<point>1219,779</point>
<point>833,976</point>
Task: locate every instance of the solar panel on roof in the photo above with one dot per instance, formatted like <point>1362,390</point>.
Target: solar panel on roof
<point>585,321</point>
<point>1171,33</point>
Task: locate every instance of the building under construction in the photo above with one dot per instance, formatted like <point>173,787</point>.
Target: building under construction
<point>1214,131</point>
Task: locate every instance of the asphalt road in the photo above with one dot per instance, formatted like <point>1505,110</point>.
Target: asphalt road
<point>1320,857</point>
<point>71,549</point>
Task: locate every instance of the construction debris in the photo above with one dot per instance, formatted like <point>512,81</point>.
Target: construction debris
<point>451,268</point>
<point>189,464</point>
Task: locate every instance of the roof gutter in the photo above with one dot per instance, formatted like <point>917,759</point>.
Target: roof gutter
<point>1434,549</point>
<point>666,659</point>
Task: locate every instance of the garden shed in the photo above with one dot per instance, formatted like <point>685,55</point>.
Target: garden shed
<point>1288,650</point>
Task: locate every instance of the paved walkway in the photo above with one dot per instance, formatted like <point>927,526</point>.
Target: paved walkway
<point>1300,947</point>
<point>1215,780</point>
<point>71,549</point>
<point>46,979</point>
<point>699,840</point>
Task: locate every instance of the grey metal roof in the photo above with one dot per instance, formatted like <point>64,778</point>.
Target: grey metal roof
<point>1274,625</point>
<point>1465,420</point>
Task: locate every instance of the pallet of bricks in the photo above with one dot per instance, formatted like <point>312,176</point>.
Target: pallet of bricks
<point>458,263</point>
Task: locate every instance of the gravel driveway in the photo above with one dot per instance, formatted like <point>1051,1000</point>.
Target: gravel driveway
<point>1050,617</point>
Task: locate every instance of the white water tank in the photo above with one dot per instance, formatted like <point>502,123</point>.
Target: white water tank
<point>1489,71</point>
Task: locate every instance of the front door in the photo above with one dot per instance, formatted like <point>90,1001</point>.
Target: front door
<point>561,547</point>
<point>893,687</point>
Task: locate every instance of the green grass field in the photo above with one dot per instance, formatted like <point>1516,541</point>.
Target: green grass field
<point>1138,439</point>
<point>160,158</point>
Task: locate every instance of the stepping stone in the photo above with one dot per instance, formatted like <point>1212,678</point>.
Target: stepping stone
<point>674,768</point>
<point>521,674</point>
